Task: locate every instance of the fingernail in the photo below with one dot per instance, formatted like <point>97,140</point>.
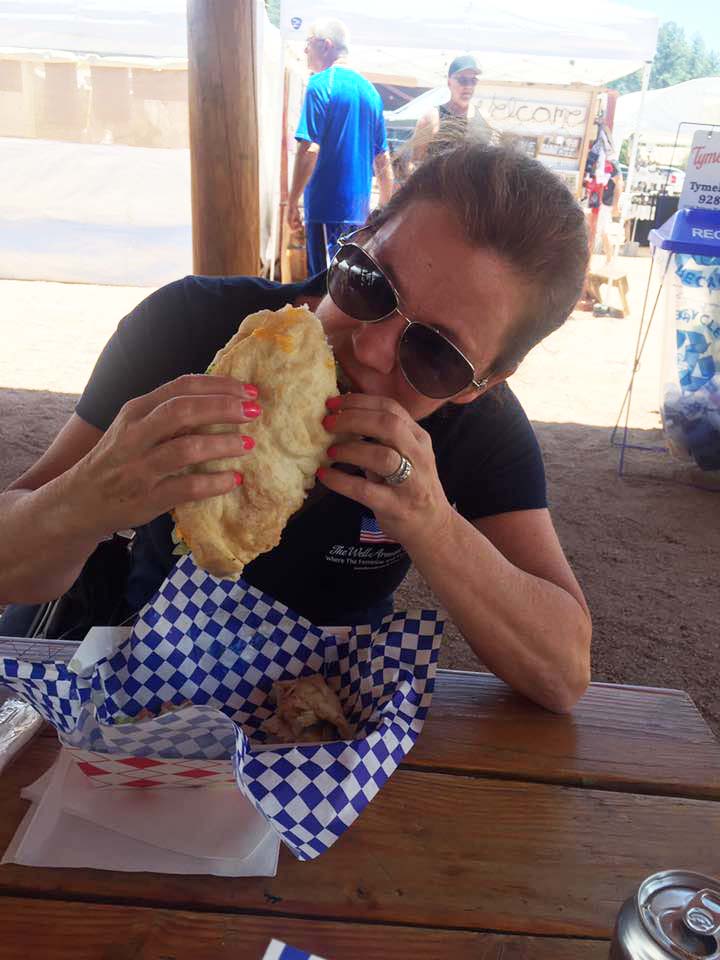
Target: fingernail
<point>321,473</point>
<point>251,390</point>
<point>329,422</point>
<point>248,443</point>
<point>332,452</point>
<point>238,478</point>
<point>333,403</point>
<point>250,408</point>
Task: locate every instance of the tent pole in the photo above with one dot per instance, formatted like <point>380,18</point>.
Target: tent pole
<point>626,198</point>
<point>223,110</point>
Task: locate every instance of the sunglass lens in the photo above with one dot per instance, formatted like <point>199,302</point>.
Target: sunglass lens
<point>431,364</point>
<point>358,287</point>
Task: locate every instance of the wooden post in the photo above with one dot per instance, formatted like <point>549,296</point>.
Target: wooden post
<point>222,68</point>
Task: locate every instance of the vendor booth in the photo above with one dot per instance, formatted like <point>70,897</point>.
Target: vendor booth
<point>543,69</point>
<point>670,117</point>
<point>95,96</point>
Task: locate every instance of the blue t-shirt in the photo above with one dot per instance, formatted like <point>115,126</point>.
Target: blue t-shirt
<point>342,114</point>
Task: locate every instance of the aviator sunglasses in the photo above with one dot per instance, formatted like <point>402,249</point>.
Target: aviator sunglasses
<point>430,363</point>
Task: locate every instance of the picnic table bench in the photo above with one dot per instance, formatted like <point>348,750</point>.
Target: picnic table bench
<point>508,832</point>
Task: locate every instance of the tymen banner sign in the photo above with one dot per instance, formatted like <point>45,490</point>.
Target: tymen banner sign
<point>702,176</point>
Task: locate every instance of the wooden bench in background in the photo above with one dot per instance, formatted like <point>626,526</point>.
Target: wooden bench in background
<point>613,276</point>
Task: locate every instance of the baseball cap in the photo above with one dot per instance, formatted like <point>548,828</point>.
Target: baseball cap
<point>464,62</point>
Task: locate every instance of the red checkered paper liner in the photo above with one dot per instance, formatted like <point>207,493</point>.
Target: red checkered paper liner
<point>105,770</point>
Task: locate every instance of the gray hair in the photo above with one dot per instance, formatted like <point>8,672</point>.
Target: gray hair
<point>334,31</point>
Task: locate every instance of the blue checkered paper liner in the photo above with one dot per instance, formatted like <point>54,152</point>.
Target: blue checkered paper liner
<point>213,649</point>
<point>277,950</point>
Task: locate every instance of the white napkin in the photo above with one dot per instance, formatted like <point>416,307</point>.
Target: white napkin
<point>198,830</point>
<point>194,830</point>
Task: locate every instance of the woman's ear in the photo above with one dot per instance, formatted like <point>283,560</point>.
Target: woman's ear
<point>472,393</point>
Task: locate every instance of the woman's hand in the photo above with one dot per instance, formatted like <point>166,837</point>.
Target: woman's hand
<point>411,512</point>
<point>137,469</point>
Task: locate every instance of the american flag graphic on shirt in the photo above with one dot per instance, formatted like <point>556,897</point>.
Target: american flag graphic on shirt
<point>370,531</point>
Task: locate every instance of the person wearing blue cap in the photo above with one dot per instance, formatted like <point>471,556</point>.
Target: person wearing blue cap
<point>441,128</point>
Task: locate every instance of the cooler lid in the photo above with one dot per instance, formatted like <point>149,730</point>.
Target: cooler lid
<point>693,231</point>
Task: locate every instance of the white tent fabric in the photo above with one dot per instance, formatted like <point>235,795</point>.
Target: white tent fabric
<point>96,213</point>
<point>557,41</point>
<point>141,28</point>
<point>411,111</point>
<point>692,102</point>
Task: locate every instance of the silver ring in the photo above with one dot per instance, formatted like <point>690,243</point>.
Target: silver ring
<point>401,474</point>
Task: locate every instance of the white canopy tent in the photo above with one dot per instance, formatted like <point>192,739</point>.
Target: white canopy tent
<point>137,28</point>
<point>106,212</point>
<point>555,42</point>
<point>692,102</point>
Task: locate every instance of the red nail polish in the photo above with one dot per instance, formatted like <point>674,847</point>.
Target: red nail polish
<point>250,390</point>
<point>248,443</point>
<point>334,403</point>
<point>238,478</point>
<point>329,422</point>
<point>251,409</point>
<point>321,473</point>
<point>332,453</point>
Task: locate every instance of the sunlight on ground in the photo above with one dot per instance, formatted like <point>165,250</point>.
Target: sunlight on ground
<point>580,373</point>
<point>53,333</point>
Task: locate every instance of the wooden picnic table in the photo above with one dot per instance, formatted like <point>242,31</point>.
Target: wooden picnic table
<point>508,832</point>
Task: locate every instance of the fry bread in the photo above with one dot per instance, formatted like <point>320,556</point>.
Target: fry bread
<point>285,354</point>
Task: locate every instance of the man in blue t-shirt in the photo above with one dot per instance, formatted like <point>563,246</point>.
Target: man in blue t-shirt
<point>341,142</point>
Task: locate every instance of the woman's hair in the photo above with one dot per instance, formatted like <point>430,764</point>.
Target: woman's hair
<point>518,209</point>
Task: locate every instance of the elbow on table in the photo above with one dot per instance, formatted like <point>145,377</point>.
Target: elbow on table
<point>563,701</point>
<point>564,696</point>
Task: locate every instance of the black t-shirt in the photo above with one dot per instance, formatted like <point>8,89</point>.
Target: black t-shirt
<point>333,562</point>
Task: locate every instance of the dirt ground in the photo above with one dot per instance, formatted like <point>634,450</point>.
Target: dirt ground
<point>645,546</point>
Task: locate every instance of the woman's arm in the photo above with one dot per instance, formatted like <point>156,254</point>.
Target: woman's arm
<point>505,582</point>
<point>90,484</point>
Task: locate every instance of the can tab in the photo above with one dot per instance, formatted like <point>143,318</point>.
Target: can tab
<point>702,913</point>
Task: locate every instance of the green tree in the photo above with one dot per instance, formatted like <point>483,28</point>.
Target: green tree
<point>273,10</point>
<point>698,60</point>
<point>672,57</point>
<point>676,60</point>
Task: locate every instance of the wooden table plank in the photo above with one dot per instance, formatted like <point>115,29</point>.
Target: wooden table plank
<point>93,931</point>
<point>640,739</point>
<point>434,849</point>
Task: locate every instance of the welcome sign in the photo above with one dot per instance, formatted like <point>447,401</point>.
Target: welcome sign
<point>702,176</point>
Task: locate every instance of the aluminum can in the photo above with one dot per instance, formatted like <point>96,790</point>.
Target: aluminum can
<point>675,915</point>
